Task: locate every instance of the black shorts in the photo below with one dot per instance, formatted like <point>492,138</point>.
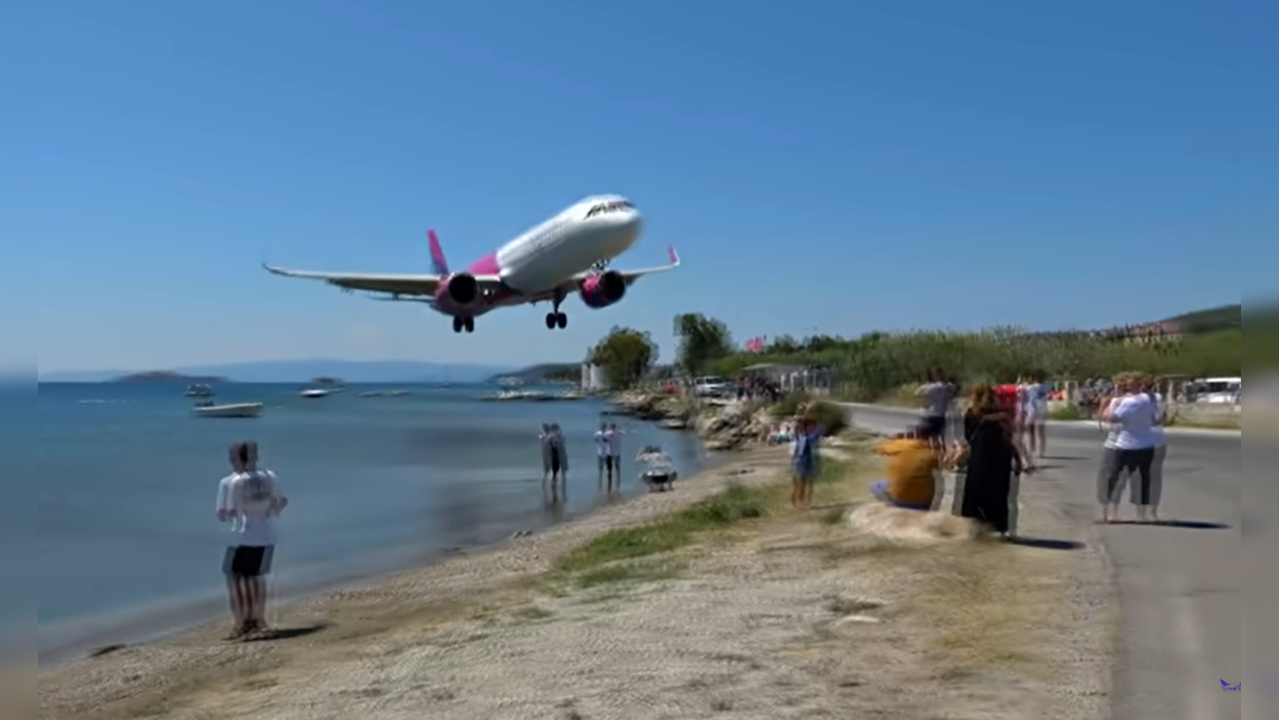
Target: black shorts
<point>248,560</point>
<point>611,462</point>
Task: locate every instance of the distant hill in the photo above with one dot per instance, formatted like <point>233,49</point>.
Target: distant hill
<point>302,371</point>
<point>545,372</point>
<point>167,376</point>
<point>1226,317</point>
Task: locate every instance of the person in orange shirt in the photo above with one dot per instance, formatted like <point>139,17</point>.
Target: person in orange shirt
<point>911,463</point>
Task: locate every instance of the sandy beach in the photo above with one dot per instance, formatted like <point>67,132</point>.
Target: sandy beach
<point>770,613</point>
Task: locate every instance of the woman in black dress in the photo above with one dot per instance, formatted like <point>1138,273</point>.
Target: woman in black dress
<point>993,462</point>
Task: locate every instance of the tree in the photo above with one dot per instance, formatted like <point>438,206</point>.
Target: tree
<point>626,356</point>
<point>783,345</point>
<point>702,341</point>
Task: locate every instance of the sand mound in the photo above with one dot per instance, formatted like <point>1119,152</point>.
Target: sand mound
<point>911,526</point>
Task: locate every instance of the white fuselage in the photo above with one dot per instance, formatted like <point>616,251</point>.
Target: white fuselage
<point>592,231</point>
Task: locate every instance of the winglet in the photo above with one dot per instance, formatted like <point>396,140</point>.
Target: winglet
<point>439,265</point>
<point>674,256</point>
<point>272,270</point>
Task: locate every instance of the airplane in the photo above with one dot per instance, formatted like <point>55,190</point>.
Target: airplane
<point>568,253</point>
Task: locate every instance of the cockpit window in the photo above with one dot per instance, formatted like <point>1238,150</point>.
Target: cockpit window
<point>608,207</point>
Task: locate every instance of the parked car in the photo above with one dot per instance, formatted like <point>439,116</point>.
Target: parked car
<point>713,386</point>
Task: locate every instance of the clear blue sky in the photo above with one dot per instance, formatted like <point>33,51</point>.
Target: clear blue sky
<point>844,166</point>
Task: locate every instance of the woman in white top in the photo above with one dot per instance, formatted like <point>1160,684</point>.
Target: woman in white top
<point>1146,499</point>
<point>1130,447</point>
<point>1034,414</point>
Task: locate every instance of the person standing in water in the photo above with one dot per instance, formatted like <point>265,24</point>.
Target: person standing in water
<point>601,450</point>
<point>559,455</point>
<point>554,461</point>
<point>613,443</point>
<point>250,499</point>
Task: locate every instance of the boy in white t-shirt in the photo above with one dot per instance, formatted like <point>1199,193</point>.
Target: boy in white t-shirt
<point>250,499</point>
<point>601,449</point>
<point>613,444</point>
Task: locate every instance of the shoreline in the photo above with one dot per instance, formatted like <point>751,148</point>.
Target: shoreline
<point>91,635</point>
<point>77,685</point>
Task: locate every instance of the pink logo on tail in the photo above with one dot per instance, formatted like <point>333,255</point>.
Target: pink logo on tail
<point>438,264</point>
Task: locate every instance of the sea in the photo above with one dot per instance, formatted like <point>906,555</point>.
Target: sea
<point>128,546</point>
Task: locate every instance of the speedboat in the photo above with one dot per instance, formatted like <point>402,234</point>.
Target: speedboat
<point>227,410</point>
<point>315,393</point>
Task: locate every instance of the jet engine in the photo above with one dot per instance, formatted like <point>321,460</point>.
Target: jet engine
<point>459,290</point>
<point>602,290</point>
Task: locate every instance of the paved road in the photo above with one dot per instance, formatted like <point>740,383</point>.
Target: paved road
<point>1179,586</point>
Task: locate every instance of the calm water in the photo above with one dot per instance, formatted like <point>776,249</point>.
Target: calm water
<point>128,543</point>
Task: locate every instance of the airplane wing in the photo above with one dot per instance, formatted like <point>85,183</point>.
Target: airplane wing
<point>632,275</point>
<point>391,284</point>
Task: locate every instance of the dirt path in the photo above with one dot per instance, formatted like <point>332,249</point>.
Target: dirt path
<point>795,614</point>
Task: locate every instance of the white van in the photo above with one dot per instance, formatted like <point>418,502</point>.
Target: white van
<point>1219,390</point>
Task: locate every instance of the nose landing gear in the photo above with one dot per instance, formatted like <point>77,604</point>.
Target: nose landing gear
<point>463,324</point>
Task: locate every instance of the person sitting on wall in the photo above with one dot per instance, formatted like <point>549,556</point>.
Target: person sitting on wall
<point>911,462</point>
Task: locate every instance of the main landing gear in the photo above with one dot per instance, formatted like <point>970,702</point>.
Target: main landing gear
<point>556,319</point>
<point>461,323</point>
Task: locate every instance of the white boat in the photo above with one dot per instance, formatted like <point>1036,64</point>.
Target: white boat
<point>315,393</point>
<point>229,410</point>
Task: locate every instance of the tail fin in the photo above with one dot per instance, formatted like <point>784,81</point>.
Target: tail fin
<point>439,265</point>
<point>1224,684</point>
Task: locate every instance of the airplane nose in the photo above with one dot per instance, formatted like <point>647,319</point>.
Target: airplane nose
<point>634,223</point>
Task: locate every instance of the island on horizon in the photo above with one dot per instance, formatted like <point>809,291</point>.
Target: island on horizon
<point>169,376</point>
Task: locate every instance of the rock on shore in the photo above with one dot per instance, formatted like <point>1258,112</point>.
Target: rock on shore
<point>722,425</point>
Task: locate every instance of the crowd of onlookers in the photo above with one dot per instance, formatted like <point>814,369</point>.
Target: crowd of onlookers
<point>1000,434</point>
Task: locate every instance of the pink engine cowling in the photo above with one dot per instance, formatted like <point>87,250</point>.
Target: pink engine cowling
<point>458,291</point>
<point>600,291</point>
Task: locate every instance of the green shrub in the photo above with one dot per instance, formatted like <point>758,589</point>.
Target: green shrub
<point>831,416</point>
<point>876,366</point>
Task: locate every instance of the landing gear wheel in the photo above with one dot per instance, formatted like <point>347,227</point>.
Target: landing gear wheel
<point>550,321</point>
<point>469,325</point>
<point>458,325</point>
<point>561,320</point>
